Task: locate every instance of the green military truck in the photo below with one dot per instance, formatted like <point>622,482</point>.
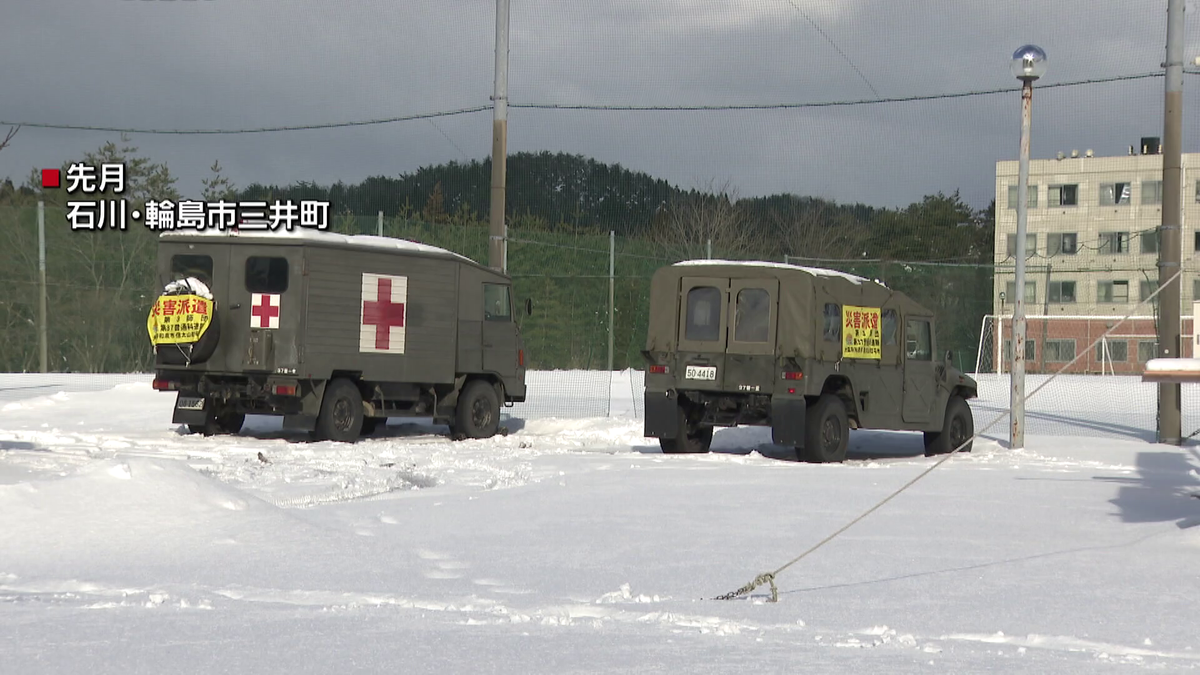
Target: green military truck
<point>334,333</point>
<point>812,353</point>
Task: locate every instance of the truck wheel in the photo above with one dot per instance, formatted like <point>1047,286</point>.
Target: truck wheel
<point>958,427</point>
<point>826,431</point>
<point>221,420</point>
<point>692,439</point>
<point>341,415</point>
<point>478,412</point>
<point>371,424</point>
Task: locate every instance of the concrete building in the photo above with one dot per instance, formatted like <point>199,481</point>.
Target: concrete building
<point>1092,255</point>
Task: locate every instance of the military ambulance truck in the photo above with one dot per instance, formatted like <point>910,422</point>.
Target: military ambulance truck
<point>334,333</point>
<point>812,353</point>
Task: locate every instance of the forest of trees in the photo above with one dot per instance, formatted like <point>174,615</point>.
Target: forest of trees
<point>560,209</point>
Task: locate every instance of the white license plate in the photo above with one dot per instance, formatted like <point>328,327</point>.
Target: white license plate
<point>189,403</point>
<point>701,373</point>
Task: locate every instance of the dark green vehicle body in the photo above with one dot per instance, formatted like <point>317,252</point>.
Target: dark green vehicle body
<point>443,341</point>
<point>757,343</point>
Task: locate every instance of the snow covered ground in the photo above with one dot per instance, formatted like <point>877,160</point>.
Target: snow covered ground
<point>574,545</point>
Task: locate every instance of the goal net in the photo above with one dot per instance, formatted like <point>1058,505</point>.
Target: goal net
<point>1051,342</point>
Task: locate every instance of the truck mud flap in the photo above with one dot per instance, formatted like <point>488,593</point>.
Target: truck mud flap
<point>662,415</point>
<point>190,409</point>
<point>787,421</point>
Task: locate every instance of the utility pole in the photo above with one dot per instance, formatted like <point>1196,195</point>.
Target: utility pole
<point>1028,64</point>
<point>498,232</point>
<point>1169,257</point>
<point>43,355</point>
<point>612,258</point>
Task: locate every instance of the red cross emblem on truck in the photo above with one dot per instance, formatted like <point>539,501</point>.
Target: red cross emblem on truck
<point>264,310</point>
<point>384,300</point>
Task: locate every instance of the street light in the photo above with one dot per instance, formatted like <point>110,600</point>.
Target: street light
<point>1028,64</point>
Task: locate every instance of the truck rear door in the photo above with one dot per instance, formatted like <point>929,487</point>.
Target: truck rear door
<point>750,352</point>
<point>703,325</point>
<point>265,308</point>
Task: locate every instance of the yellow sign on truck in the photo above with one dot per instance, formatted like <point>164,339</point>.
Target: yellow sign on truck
<point>860,328</point>
<point>179,319</point>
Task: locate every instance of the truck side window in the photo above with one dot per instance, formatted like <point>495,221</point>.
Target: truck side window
<point>198,266</point>
<point>266,274</point>
<point>833,323</point>
<point>917,340</point>
<point>889,326</point>
<point>703,314</point>
<point>496,306</point>
<point>752,317</point>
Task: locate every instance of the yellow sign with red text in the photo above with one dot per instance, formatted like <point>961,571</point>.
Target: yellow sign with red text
<point>179,319</point>
<point>861,336</point>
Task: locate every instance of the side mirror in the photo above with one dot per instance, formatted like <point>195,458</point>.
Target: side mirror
<point>529,306</point>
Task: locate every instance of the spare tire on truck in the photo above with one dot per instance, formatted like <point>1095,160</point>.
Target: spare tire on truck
<point>183,324</point>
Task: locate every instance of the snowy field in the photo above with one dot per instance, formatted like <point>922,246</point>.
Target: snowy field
<point>574,545</point>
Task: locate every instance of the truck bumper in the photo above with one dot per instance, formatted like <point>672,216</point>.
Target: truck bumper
<point>662,414</point>
<point>787,421</point>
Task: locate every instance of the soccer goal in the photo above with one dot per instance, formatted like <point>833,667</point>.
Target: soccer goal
<point>1053,341</point>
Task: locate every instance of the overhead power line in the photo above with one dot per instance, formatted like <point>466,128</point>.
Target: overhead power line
<point>836,48</point>
<point>586,106</point>
<point>260,130</point>
<point>831,104</point>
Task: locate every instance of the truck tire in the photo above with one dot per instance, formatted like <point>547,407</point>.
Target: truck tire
<point>341,416</point>
<point>219,420</point>
<point>958,427</point>
<point>691,439</point>
<point>371,424</point>
<point>826,431</point>
<point>478,411</point>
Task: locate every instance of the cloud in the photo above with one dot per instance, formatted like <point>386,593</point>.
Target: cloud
<point>222,63</point>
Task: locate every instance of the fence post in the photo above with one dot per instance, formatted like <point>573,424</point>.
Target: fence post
<point>379,224</point>
<point>43,356</point>
<point>709,249</point>
<point>612,256</point>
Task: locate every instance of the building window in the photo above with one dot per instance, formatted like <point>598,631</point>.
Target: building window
<point>1152,192</point>
<point>1147,349</point>
<point>752,317</point>
<point>1149,242</point>
<point>1196,289</point>
<point>1030,350</point>
<point>1031,198</point>
<point>1030,245</point>
<point>1030,291</point>
<point>1198,192</point>
<point>266,275</point>
<point>1116,352</point>
<point>1059,351</point>
<point>1112,291</point>
<point>1196,242</point>
<point>833,323</point>
<point>1112,243</point>
<point>496,305</point>
<point>703,314</point>
<point>1147,289</point>
<point>1114,194</point>
<point>1066,243</point>
<point>1063,195</point>
<point>1062,291</point>
<point>890,323</point>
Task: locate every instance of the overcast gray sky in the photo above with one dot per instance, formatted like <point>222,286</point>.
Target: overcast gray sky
<point>236,64</point>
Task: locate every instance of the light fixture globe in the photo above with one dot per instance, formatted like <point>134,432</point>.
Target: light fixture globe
<point>1029,63</point>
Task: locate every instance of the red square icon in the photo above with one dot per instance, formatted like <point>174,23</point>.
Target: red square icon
<point>49,178</point>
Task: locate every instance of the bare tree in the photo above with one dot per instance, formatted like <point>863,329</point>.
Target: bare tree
<point>818,234</point>
<point>12,131</point>
<point>685,228</point>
